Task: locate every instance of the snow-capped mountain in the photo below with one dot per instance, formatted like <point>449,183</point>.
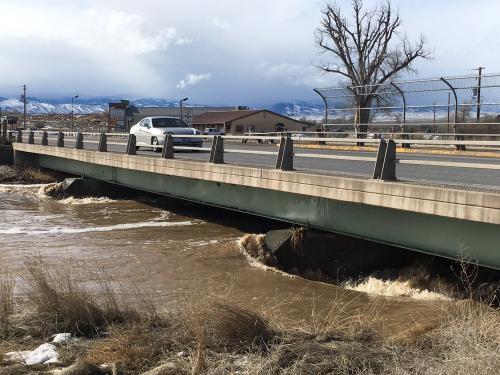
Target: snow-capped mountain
<point>36,106</point>
<point>312,111</point>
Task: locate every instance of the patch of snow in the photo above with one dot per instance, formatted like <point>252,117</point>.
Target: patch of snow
<point>62,338</point>
<point>44,354</point>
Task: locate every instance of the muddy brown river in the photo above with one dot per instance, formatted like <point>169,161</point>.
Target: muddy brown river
<point>174,250</point>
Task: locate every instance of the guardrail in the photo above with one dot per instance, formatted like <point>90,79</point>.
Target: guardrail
<point>384,168</point>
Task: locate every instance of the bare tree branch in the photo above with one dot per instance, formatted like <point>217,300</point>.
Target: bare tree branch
<point>368,50</point>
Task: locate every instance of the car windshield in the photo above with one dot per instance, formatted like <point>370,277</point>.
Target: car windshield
<point>169,122</point>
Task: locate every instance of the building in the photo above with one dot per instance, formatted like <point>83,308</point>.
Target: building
<point>249,121</point>
<point>123,115</point>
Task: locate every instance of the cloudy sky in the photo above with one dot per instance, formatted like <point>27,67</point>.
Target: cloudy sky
<point>221,52</point>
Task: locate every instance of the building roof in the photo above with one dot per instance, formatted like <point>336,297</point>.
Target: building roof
<point>222,117</point>
<point>219,117</point>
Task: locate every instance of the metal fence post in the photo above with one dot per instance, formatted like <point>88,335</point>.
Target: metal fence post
<point>19,136</point>
<point>79,141</point>
<point>131,145</point>
<point>45,138</point>
<point>389,166</point>
<point>103,143</point>
<point>284,161</point>
<point>217,152</point>
<point>168,147</point>
<point>60,139</point>
<point>31,137</point>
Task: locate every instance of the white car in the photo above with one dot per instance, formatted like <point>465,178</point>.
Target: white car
<point>152,131</point>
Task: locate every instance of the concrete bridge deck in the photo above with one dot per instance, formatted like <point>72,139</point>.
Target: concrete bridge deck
<point>433,219</point>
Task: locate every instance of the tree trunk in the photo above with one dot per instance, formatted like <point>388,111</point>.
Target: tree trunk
<point>363,118</point>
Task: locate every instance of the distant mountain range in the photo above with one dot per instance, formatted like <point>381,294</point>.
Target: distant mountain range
<point>297,109</point>
<point>309,110</point>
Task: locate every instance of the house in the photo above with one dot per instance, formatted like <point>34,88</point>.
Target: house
<point>249,121</point>
<point>123,115</point>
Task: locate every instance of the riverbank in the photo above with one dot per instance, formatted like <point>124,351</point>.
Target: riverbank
<point>14,175</point>
<point>217,333</point>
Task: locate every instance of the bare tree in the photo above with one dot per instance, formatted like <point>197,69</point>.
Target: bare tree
<point>368,50</point>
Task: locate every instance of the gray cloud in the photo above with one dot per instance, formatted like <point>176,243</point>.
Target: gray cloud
<point>218,52</point>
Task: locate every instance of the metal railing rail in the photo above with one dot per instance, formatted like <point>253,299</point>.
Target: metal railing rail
<point>385,162</point>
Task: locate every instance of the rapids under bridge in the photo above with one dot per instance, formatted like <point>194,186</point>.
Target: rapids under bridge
<point>435,203</point>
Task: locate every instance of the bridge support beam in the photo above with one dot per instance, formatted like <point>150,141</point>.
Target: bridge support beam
<point>60,139</point>
<point>45,139</point>
<point>217,152</point>
<point>31,137</point>
<point>168,147</point>
<point>103,143</point>
<point>131,145</point>
<point>284,161</point>
<point>79,141</point>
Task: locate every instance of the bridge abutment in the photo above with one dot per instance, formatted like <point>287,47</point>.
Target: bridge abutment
<point>24,159</point>
<point>6,154</point>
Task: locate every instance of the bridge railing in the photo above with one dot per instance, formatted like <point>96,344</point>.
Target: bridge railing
<point>384,163</point>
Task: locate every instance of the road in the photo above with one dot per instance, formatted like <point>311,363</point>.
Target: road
<point>470,178</point>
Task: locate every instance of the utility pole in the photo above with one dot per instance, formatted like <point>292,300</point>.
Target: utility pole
<point>24,107</point>
<point>480,70</point>
<point>72,110</point>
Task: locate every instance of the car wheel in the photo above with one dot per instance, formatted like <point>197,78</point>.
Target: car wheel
<point>155,142</point>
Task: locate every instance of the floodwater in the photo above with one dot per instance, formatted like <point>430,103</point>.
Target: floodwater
<point>175,250</point>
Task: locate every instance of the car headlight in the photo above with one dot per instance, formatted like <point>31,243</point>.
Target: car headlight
<point>196,132</point>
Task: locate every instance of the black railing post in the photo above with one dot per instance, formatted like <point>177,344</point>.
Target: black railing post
<point>284,161</point>
<point>103,143</point>
<point>131,145</point>
<point>60,139</point>
<point>389,166</point>
<point>79,141</point>
<point>377,172</point>
<point>31,137</point>
<point>19,136</point>
<point>217,152</point>
<point>168,147</point>
<point>45,138</point>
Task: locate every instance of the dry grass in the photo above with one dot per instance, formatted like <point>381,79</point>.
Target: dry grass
<point>33,175</point>
<point>218,336</point>
<point>6,302</point>
<point>64,304</point>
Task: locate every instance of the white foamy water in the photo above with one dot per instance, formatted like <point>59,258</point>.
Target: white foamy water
<point>39,191</point>
<point>12,188</point>
<point>89,200</point>
<point>395,288</point>
<point>68,230</point>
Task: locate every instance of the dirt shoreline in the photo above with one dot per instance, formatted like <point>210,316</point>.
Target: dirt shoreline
<point>15,175</point>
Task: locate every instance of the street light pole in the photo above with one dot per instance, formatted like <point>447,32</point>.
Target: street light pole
<point>72,110</point>
<point>181,102</point>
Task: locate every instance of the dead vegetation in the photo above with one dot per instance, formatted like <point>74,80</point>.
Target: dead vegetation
<point>63,303</point>
<point>215,335</point>
<point>38,176</point>
<point>16,175</point>
<point>6,302</point>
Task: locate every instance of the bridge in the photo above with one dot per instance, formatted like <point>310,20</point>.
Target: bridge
<point>437,204</point>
